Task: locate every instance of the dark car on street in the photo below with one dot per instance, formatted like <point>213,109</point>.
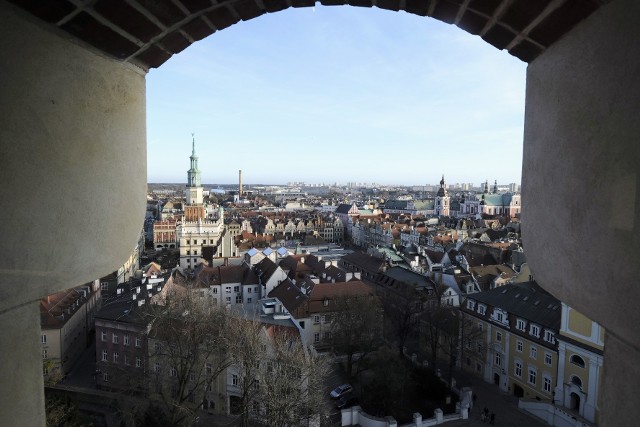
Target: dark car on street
<point>341,390</point>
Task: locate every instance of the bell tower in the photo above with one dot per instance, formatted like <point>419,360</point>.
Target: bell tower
<point>194,191</point>
<point>441,205</point>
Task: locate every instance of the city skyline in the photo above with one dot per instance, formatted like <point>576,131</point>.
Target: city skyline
<point>318,99</point>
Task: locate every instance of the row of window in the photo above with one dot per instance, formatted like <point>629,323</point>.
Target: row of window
<point>325,336</point>
<point>204,241</point>
<point>317,319</point>
<point>534,330</point>
<point>115,338</point>
<point>501,317</point>
<point>533,377</point>
<point>238,300</point>
<point>173,372</point>
<point>533,352</point>
<point>236,289</point>
<point>115,358</point>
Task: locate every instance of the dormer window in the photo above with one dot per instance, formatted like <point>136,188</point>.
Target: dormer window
<point>482,309</point>
<point>325,302</point>
<point>535,331</point>
<point>499,316</point>
<point>520,325</point>
<point>549,337</point>
<point>471,304</point>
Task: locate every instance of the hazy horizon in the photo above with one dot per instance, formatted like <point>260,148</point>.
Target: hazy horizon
<point>316,184</point>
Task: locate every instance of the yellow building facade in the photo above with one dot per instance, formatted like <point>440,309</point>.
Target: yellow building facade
<point>537,348</point>
<point>580,350</point>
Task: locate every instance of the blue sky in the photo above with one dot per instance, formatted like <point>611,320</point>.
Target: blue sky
<point>338,94</point>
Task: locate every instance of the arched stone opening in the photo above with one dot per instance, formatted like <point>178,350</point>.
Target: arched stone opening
<point>148,33</point>
<point>574,402</point>
<point>574,397</point>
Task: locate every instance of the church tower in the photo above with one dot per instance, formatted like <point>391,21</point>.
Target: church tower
<point>441,205</point>
<point>194,187</point>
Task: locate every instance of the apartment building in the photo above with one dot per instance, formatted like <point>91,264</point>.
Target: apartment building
<point>516,347</point>
<point>66,325</point>
<point>122,335</point>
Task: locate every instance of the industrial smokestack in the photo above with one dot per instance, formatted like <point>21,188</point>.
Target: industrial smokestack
<point>240,182</point>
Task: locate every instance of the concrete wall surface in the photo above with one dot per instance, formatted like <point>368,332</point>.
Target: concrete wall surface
<point>580,182</point>
<point>73,151</point>
<point>22,391</point>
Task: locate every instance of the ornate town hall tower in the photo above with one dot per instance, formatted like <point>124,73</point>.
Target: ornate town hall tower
<point>194,186</point>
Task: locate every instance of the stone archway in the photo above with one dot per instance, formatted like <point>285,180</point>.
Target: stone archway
<point>574,402</point>
<point>575,398</point>
<point>148,33</point>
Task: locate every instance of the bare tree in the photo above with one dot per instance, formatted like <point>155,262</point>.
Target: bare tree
<point>402,313</point>
<point>292,380</point>
<point>247,352</point>
<point>277,379</point>
<point>356,328</point>
<point>192,343</point>
<point>188,350</point>
<point>440,330</point>
<point>470,335</point>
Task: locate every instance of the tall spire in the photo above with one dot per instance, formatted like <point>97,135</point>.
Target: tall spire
<point>442,191</point>
<point>193,174</point>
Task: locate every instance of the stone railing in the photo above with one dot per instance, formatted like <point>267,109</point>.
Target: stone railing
<point>553,415</point>
<point>356,416</point>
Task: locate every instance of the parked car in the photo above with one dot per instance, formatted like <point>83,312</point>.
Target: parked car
<point>346,401</point>
<point>341,390</point>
